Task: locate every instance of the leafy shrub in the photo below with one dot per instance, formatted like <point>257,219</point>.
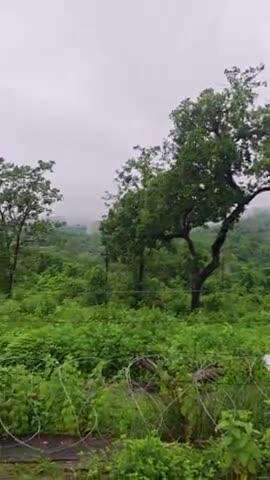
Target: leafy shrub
<point>62,284</point>
<point>88,344</point>
<point>175,297</point>
<point>41,304</point>
<point>239,446</point>
<point>241,381</point>
<point>121,411</point>
<point>71,311</point>
<point>213,301</point>
<point>150,459</point>
<point>151,296</point>
<point>49,260</point>
<point>121,284</point>
<point>96,290</point>
<point>10,310</point>
<point>17,410</point>
<point>63,400</point>
<point>55,402</point>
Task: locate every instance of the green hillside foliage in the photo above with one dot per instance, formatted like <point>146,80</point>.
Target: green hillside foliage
<point>78,358</point>
<point>153,333</point>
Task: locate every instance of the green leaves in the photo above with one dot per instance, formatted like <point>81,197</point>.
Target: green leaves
<point>213,164</point>
<point>25,195</point>
<point>151,459</point>
<point>239,446</point>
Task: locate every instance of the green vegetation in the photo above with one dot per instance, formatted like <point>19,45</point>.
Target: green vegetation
<point>78,358</point>
<point>214,163</point>
<point>97,334</point>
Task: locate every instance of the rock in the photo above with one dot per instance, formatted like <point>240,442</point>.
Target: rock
<point>266,360</point>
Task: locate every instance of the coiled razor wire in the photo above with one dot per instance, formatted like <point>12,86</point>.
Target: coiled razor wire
<point>128,377</point>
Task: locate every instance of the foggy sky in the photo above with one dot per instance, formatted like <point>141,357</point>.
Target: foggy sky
<point>82,81</point>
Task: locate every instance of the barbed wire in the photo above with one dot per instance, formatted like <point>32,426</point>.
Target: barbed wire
<point>186,383</point>
<point>162,411</point>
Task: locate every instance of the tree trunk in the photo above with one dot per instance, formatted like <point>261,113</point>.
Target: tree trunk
<point>141,273</point>
<point>10,283</point>
<point>11,276</point>
<point>5,265</point>
<point>196,278</point>
<point>4,274</point>
<point>139,280</point>
<point>195,299</point>
<point>107,262</point>
<point>13,266</point>
<point>199,276</point>
<point>196,291</point>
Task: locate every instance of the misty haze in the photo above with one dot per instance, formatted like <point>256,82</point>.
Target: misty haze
<point>82,82</point>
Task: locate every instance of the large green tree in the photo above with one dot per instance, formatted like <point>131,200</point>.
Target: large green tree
<point>123,235</point>
<point>26,197</point>
<point>218,162</point>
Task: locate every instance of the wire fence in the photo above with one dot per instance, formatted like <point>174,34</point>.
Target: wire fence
<point>261,389</point>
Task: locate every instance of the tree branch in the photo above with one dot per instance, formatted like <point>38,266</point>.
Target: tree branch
<point>231,182</point>
<point>227,223</point>
<point>190,245</point>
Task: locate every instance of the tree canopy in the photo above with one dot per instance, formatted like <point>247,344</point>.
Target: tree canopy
<point>26,197</point>
<point>215,161</point>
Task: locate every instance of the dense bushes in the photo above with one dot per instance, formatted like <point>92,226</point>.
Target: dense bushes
<point>118,335</point>
<point>62,400</point>
<point>88,344</point>
<point>122,373</point>
<point>150,459</point>
<point>112,339</point>
<point>121,410</point>
<point>49,402</point>
<point>179,395</point>
<point>239,453</point>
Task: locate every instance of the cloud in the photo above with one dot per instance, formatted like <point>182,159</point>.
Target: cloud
<point>82,82</point>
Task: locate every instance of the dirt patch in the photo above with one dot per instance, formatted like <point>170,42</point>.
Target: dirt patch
<point>60,448</point>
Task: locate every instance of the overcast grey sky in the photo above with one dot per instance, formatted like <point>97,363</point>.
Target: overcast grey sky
<point>82,81</point>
